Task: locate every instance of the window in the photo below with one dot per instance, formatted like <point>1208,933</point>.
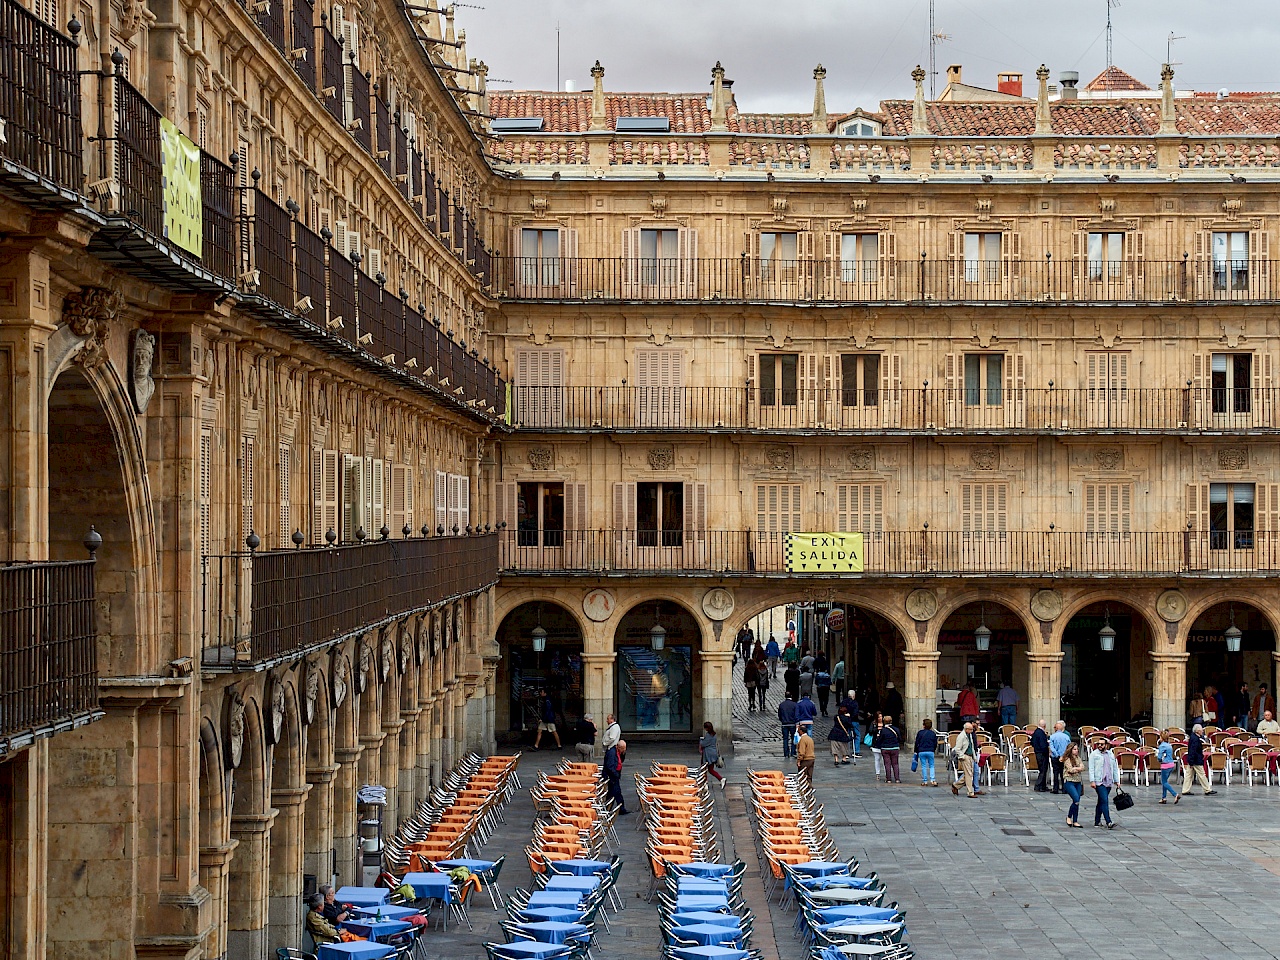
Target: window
<point>1107,507</point>
<point>47,10</point>
<point>861,128</point>
<point>659,256</point>
<point>981,257</point>
<point>1231,382</point>
<point>983,379</point>
<point>539,256</point>
<point>539,388</point>
<point>401,498</point>
<point>860,257</point>
<point>860,508</point>
<point>778,254</point>
<point>206,490</point>
<point>778,379</point>
<point>284,477</point>
<point>1230,260</point>
<point>660,514</point>
<point>1231,516</point>
<point>457,503</point>
<point>860,379</point>
<point>540,514</point>
<point>659,378</point>
<point>777,510</point>
<point>984,507</point>
<point>325,485</point>
<point>1105,255</point>
<point>246,489</point>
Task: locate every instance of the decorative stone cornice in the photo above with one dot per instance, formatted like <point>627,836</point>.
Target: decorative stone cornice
<point>89,313</point>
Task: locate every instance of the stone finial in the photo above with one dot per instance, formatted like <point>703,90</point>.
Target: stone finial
<point>719,110</point>
<point>599,120</point>
<point>1043,122</point>
<point>1168,118</point>
<point>919,119</point>
<point>818,122</point>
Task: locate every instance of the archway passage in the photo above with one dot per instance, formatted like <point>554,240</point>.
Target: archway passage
<point>658,685</point>
<point>1211,664</point>
<point>963,662</point>
<point>523,671</point>
<point>1099,686</point>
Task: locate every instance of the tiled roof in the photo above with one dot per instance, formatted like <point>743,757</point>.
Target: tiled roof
<point>571,112</point>
<point>789,124</point>
<point>1113,78</point>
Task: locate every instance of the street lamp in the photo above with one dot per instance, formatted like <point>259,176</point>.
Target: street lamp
<point>1232,633</point>
<point>1107,635</point>
<point>982,636</point>
<point>539,634</point>
<point>657,633</point>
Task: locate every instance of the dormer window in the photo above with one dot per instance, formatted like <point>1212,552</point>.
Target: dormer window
<point>861,128</point>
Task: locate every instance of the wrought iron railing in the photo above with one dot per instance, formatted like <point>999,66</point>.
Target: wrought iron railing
<point>39,98</point>
<point>260,606</point>
<point>303,44</point>
<point>48,648</point>
<point>878,410</point>
<point>888,281</point>
<point>1057,553</point>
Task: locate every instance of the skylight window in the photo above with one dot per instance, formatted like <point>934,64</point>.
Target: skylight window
<point>516,124</point>
<point>643,125</point>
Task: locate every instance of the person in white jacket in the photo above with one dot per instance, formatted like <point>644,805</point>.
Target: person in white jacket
<point>1104,774</point>
<point>612,732</point>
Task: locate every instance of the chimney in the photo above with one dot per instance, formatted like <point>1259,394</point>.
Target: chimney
<point>1010,83</point>
<point>1069,79</point>
<point>953,74</point>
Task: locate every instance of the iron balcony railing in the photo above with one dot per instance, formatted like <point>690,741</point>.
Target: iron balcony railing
<point>743,279</point>
<point>923,409</point>
<point>263,606</point>
<point>48,649</point>
<point>1054,553</point>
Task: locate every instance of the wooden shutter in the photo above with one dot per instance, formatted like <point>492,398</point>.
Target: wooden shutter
<point>353,498</point>
<point>401,499</point>
<point>507,510</point>
<point>695,525</point>
<point>810,400</point>
<point>860,508</point>
<point>984,506</point>
<point>1260,264</point>
<point>453,504</point>
<point>206,491</point>
<point>577,526</point>
<point>284,480</point>
<point>246,488</point>
<point>624,524</point>
<point>953,388</point>
<point>659,379</point>
<point>890,389</point>
<point>1108,507</point>
<point>1266,525</point>
<point>777,508</point>
<point>1015,389</point>
<point>568,262</point>
<point>1264,393</point>
<point>889,265</point>
<point>687,251</point>
<point>441,496</point>
<point>378,498</point>
<point>542,373</point>
<point>464,502</point>
<point>631,266</point>
<point>324,493</point>
<point>1198,519</point>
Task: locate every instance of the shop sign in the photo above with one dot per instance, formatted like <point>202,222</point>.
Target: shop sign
<point>824,553</point>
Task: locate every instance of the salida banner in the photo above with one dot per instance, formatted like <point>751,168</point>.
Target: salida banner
<point>180,170</point>
<point>824,553</point>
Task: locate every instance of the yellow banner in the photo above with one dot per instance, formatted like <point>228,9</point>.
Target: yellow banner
<point>824,553</point>
<point>180,178</point>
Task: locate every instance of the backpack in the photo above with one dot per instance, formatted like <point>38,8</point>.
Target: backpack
<point>823,679</point>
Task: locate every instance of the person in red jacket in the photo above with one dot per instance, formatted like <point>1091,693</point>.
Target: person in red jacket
<point>967,704</point>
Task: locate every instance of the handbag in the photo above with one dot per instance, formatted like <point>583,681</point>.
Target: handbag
<point>866,741</point>
<point>1122,800</point>
<point>915,762</point>
<point>720,763</point>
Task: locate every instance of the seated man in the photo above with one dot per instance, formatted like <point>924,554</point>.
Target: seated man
<point>321,930</point>
<point>1267,724</point>
<point>333,911</point>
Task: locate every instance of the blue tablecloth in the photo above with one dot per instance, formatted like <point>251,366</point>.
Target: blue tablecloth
<point>708,934</point>
<point>388,911</point>
<point>553,931</point>
<point>375,929</point>
<point>362,896</point>
<point>836,880</point>
<point>701,902</point>
<point>475,866</point>
<point>708,953</point>
<point>703,869</point>
<point>359,950</point>
<point>555,898</point>
<point>583,884</point>
<point>531,948</point>
<point>857,911</point>
<point>581,868</point>
<point>534,914</point>
<point>429,886</point>
<point>704,916</point>
<point>695,886</point>
<point>820,868</point>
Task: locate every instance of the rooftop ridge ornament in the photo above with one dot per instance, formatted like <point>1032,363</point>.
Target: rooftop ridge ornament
<point>919,119</point>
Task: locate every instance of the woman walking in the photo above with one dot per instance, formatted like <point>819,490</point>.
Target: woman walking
<point>840,735</point>
<point>751,678</point>
<point>1164,753</point>
<point>890,744</point>
<point>1104,773</point>
<point>710,752</point>
<point>872,740</point>
<point>1072,770</point>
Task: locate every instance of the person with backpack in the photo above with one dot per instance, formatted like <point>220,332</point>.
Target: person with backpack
<point>762,680</point>
<point>822,683</point>
<point>839,737</point>
<point>548,721</point>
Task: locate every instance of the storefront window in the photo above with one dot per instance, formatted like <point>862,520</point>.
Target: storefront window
<point>655,688</point>
<point>558,671</point>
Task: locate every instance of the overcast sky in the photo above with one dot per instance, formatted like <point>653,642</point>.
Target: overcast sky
<point>869,48</point>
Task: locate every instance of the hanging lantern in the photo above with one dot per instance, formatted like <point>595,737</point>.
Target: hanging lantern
<point>1107,635</point>
<point>1233,634</point>
<point>657,633</point>
<point>539,636</point>
<point>982,636</point>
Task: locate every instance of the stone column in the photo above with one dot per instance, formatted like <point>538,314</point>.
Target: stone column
<point>1169,689</point>
<point>597,687</point>
<point>346,784</point>
<point>247,896</point>
<point>1044,686</point>
<point>215,864</point>
<point>389,770</point>
<point>437,739</point>
<point>460,727</point>
<point>284,885</point>
<point>447,755</point>
<point>920,696</point>
<point>717,694</point>
<point>319,823</point>
<point>408,772</point>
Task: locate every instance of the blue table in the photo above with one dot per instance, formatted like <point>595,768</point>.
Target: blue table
<point>583,884</point>
<point>581,868</point>
<point>709,870</point>
<point>702,902</point>
<point>429,886</point>
<point>358,950</point>
<point>388,911</point>
<point>705,916</point>
<point>376,929</point>
<point>531,948</point>
<point>534,914</point>
<point>553,931</point>
<point>833,915</point>
<point>475,866</point>
<point>362,896</point>
<point>555,898</point>
<point>708,934</point>
<point>837,880</point>
<point>694,886</point>
<point>820,868</point>
<point>708,953</point>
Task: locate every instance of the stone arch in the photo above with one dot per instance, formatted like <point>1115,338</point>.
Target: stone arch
<point>673,689</point>
<point>953,602</point>
<point>1121,682</point>
<point>877,605</point>
<point>1208,662</point>
<point>511,600</point>
<point>1144,606</point>
<point>1198,607</point>
<point>320,769</point>
<point>521,671</point>
<point>214,824</point>
<point>680,598</point>
<point>288,792</point>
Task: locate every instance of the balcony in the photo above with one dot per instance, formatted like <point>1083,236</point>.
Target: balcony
<point>897,553</point>
<point>48,651</point>
<point>925,411</point>
<point>744,280</point>
<point>263,608</point>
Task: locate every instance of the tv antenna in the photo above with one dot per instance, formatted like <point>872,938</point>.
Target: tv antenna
<point>1168,49</point>
<point>1110,4</point>
<point>934,37</point>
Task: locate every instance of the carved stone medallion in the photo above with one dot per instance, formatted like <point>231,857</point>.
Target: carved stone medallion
<point>541,458</point>
<point>984,458</point>
<point>1233,458</point>
<point>599,604</point>
<point>1172,606</point>
<point>921,604</point>
<point>662,458</point>
<point>718,603</point>
<point>780,458</point>
<point>1046,605</point>
<point>862,458</point>
<point>141,358</point>
<point>1109,458</point>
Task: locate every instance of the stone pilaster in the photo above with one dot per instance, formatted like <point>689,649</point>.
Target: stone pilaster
<point>717,693</point>
<point>597,686</point>
<point>215,865</point>
<point>920,696</point>
<point>407,783</point>
<point>1169,689</point>
<point>284,884</point>
<point>389,769</point>
<point>344,814</point>
<point>319,822</point>
<point>1044,686</point>
<point>247,887</point>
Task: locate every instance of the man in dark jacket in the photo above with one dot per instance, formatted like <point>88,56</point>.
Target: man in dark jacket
<point>850,704</point>
<point>791,681</point>
<point>613,758</point>
<point>892,702</point>
<point>1194,760</point>
<point>1040,744</point>
<point>787,717</point>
